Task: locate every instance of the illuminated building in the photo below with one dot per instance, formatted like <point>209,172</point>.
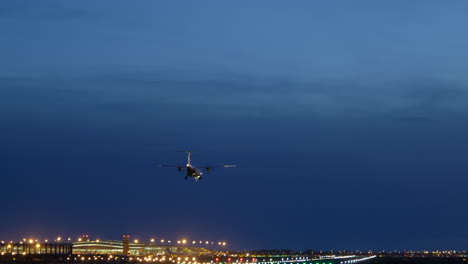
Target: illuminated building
<point>36,248</point>
<point>132,248</point>
<point>125,247</point>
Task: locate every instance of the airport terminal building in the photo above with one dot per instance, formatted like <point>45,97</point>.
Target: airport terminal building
<point>86,246</point>
<point>132,248</point>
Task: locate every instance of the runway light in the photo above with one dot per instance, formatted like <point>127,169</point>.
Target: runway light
<point>30,240</point>
<point>152,240</point>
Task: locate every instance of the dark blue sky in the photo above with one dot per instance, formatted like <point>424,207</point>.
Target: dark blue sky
<point>348,120</point>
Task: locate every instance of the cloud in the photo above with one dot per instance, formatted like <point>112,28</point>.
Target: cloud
<point>240,95</point>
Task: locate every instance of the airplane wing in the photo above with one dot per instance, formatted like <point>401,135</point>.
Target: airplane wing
<point>209,168</point>
<point>179,167</point>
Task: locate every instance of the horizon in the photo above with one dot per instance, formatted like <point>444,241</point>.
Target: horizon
<point>212,245</point>
<point>347,121</point>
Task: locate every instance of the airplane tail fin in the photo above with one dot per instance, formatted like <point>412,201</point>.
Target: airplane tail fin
<point>189,161</point>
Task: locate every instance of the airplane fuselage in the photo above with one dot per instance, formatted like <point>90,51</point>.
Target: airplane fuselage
<point>192,171</point>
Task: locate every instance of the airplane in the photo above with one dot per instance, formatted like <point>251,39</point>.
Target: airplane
<point>192,171</point>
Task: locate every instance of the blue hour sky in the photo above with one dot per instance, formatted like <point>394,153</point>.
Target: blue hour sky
<point>348,121</point>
